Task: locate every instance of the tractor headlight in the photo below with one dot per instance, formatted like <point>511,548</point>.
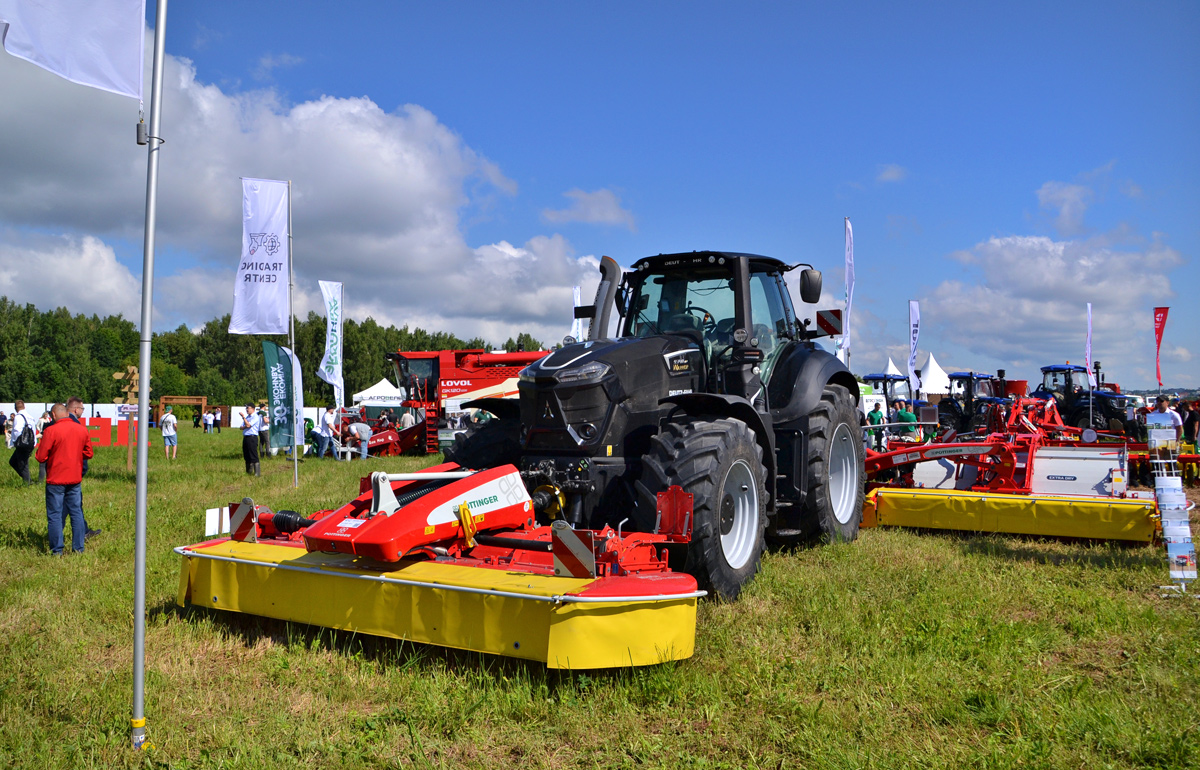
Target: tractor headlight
<point>594,371</point>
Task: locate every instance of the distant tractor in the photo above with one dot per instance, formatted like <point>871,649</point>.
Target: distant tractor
<point>889,386</point>
<point>972,397</point>
<point>1080,406</point>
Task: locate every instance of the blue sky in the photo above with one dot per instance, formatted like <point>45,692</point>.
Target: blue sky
<point>462,165</point>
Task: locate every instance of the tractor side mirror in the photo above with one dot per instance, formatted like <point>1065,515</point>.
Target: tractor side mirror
<point>810,286</point>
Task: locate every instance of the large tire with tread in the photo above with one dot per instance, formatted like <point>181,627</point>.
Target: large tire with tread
<point>721,465</point>
<point>496,442</point>
<point>833,505</point>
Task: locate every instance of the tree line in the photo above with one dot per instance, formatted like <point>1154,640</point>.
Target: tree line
<point>52,355</point>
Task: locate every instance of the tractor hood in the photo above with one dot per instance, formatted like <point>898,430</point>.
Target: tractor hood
<point>570,398</point>
<point>592,361</point>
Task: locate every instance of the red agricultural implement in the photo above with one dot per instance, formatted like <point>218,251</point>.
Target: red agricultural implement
<point>439,382</point>
<point>1031,477</point>
<point>456,558</point>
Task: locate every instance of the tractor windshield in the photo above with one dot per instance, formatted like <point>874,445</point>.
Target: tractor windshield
<point>1056,382</point>
<point>702,300</point>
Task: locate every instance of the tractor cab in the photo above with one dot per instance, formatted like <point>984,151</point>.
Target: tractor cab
<point>972,395</point>
<point>735,308</point>
<point>1078,404</point>
<point>890,386</point>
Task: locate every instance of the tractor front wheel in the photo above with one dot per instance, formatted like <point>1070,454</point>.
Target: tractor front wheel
<point>721,465</point>
<point>833,505</point>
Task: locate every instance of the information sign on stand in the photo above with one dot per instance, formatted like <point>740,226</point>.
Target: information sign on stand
<point>1172,507</point>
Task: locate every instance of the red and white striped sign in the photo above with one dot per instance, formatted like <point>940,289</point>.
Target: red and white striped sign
<point>243,521</point>
<point>830,322</point>
<point>572,549</point>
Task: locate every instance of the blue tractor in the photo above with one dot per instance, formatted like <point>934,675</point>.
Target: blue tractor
<point>1082,406</point>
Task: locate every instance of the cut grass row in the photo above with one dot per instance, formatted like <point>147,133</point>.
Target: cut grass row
<point>903,649</point>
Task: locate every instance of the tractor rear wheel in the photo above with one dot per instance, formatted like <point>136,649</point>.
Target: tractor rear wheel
<point>721,465</point>
<point>833,505</point>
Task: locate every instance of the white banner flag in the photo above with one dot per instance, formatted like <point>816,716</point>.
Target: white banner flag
<point>914,333</point>
<point>844,343</point>
<point>260,296</point>
<point>95,43</point>
<point>331,365</point>
<point>1087,354</point>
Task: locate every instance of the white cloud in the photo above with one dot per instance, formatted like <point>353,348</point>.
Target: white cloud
<point>1070,201</point>
<point>1029,306</point>
<point>268,63</point>
<point>598,207</point>
<point>378,202</point>
<point>891,172</point>
<point>81,274</point>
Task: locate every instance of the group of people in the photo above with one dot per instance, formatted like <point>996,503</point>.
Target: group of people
<point>901,418</point>
<point>1183,416</point>
<point>62,448</point>
<point>354,430</point>
<point>211,420</point>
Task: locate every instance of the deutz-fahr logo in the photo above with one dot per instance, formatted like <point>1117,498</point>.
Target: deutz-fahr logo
<point>266,241</point>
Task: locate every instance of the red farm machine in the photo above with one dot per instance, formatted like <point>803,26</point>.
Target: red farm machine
<point>437,383</point>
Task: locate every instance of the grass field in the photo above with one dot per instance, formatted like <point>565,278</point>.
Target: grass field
<point>904,649</point>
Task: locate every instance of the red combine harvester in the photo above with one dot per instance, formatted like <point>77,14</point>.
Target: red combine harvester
<point>437,383</point>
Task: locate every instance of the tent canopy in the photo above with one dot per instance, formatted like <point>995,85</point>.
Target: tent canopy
<point>382,392</point>
<point>934,378</point>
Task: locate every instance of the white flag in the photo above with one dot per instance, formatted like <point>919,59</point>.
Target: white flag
<point>97,43</point>
<point>331,365</point>
<point>844,343</point>
<point>914,333</point>
<point>1087,355</point>
<point>260,296</point>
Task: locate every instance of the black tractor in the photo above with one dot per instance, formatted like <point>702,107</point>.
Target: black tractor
<point>972,396</point>
<point>711,383</point>
<point>1081,406</point>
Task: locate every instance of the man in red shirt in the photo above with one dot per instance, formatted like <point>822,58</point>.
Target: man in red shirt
<point>64,446</point>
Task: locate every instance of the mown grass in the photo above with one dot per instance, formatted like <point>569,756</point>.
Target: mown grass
<point>904,649</point>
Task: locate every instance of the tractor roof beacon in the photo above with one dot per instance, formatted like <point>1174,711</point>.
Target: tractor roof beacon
<point>711,384</point>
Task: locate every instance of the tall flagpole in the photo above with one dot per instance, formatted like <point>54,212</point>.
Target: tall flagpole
<point>138,717</point>
<point>292,344</point>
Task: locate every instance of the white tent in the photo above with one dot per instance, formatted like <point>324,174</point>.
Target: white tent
<point>380,394</point>
<point>891,367</point>
<point>934,378</point>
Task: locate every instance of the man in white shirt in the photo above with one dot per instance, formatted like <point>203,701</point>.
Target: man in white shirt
<point>326,431</point>
<point>19,459</point>
<point>407,420</point>
<point>169,435</point>
<point>1163,417</point>
<point>253,423</point>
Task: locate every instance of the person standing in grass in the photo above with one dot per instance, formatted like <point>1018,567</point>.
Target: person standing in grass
<point>217,419</point>
<point>19,459</point>
<point>65,445</point>
<point>252,424</point>
<point>170,435</point>
<point>264,438</point>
